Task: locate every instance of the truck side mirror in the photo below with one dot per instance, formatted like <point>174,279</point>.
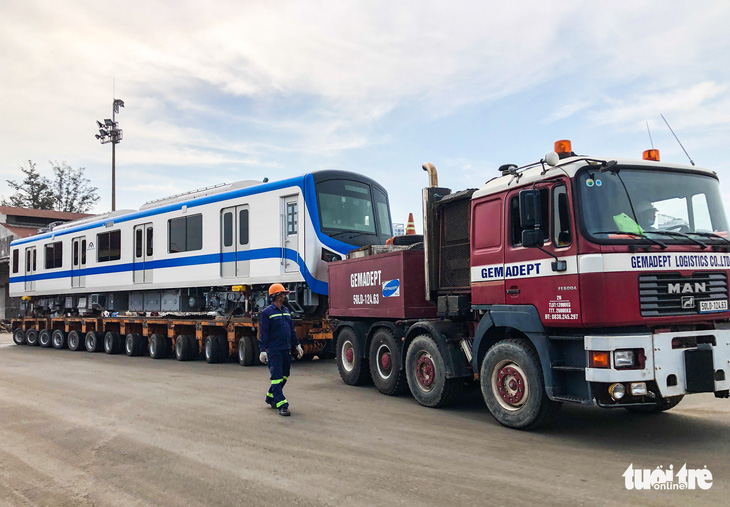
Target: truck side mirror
<point>530,209</point>
<point>533,238</point>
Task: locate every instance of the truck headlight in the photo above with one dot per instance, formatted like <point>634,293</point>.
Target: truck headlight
<point>617,391</point>
<point>623,359</point>
<point>638,389</point>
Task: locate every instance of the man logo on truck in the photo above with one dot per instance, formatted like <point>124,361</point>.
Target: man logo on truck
<point>678,288</point>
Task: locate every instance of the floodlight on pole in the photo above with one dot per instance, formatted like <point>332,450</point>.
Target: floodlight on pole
<point>109,132</point>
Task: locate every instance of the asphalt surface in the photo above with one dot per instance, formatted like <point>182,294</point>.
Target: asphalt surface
<point>93,429</point>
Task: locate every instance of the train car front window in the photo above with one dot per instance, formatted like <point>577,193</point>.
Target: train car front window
<point>381,206</point>
<point>346,206</point>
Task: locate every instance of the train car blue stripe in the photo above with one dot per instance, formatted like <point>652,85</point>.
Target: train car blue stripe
<point>317,286</point>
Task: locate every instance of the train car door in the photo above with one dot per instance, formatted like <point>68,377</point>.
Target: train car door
<point>290,233</point>
<point>30,268</point>
<point>143,253</point>
<point>235,242</point>
<point>78,262</point>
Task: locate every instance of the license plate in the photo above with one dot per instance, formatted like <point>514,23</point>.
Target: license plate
<point>719,305</point>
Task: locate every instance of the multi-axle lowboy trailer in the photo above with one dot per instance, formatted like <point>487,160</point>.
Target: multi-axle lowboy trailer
<point>576,279</point>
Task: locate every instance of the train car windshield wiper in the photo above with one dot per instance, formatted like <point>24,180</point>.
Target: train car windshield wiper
<point>637,234</point>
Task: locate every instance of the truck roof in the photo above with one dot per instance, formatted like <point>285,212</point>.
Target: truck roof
<point>570,166</point>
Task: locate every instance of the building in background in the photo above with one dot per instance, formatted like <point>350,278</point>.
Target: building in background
<point>399,229</point>
<point>18,223</point>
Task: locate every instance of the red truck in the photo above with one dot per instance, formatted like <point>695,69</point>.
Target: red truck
<point>575,279</point>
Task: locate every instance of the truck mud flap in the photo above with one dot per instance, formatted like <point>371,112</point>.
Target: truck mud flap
<point>699,370</point>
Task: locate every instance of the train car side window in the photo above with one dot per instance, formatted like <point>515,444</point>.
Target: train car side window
<point>292,218</point>
<point>16,260</point>
<point>76,253</point>
<point>227,229</point>
<point>185,234</point>
<point>34,259</point>
<point>138,243</point>
<point>54,255</point>
<point>109,246</point>
<point>83,252</point>
<point>561,217</point>
<point>243,227</point>
<point>150,250</point>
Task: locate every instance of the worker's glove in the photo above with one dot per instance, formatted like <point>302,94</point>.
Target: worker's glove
<point>300,352</point>
<point>263,357</point>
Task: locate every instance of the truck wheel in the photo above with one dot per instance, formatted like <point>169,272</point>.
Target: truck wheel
<point>354,370</point>
<point>426,374</point>
<point>158,347</point>
<point>58,339</point>
<point>513,386</point>
<point>19,337</point>
<point>212,349</point>
<point>112,342</point>
<point>245,351</point>
<point>93,341</point>
<point>74,341</point>
<point>133,345</point>
<point>385,364</point>
<point>662,405</point>
<point>44,338</point>
<point>182,348</point>
<point>31,338</point>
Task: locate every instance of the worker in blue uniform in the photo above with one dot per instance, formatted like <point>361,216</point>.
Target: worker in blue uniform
<point>277,336</point>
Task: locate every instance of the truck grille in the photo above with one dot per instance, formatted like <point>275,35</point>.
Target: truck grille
<point>672,294</point>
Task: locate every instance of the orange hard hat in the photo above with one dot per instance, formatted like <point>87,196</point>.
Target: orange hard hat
<point>277,288</point>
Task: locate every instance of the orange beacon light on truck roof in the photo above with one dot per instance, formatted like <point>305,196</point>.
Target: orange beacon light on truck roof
<point>563,147</point>
<point>651,155</point>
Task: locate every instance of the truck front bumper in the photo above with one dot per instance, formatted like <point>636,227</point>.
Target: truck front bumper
<point>674,361</point>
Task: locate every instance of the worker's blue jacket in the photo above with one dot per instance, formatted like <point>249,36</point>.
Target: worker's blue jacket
<point>277,329</point>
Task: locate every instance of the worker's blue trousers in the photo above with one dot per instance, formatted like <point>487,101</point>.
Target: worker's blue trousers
<point>279,366</point>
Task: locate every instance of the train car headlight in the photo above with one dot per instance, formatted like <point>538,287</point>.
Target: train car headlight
<point>329,256</point>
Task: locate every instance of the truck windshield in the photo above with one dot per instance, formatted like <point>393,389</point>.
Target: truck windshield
<point>670,206</point>
<point>349,209</point>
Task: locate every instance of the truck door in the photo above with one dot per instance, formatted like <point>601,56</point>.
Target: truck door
<point>143,253</point>
<point>487,251</point>
<point>78,262</point>
<point>235,242</point>
<point>30,268</point>
<point>531,278</point>
<point>290,234</point>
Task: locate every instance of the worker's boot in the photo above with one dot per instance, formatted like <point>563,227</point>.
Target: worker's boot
<point>284,411</point>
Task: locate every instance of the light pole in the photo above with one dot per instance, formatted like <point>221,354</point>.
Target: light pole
<point>109,132</point>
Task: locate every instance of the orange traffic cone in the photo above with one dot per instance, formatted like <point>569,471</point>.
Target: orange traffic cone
<point>411,227</point>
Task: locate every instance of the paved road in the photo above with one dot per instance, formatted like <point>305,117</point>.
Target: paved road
<point>93,429</point>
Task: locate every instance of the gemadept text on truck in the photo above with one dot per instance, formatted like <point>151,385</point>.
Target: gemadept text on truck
<point>575,279</point>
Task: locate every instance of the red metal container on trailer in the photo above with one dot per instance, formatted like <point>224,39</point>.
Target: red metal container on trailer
<point>387,285</point>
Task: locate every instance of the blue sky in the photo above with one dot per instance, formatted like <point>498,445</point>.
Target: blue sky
<point>224,91</point>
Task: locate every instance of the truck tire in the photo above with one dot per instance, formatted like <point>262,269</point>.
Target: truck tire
<point>182,348</point>
<point>58,339</point>
<point>19,337</point>
<point>113,343</point>
<point>158,347</point>
<point>662,405</point>
<point>245,351</point>
<point>93,341</point>
<point>212,349</point>
<point>426,374</point>
<point>513,386</point>
<point>385,363</point>
<point>134,345</point>
<point>32,338</point>
<point>354,370</point>
<point>44,338</point>
<point>74,341</point>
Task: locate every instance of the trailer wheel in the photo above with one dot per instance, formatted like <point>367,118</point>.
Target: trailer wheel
<point>245,351</point>
<point>182,348</point>
<point>426,374</point>
<point>93,341</point>
<point>58,339</point>
<point>134,345</point>
<point>354,370</point>
<point>32,338</point>
<point>19,337</point>
<point>513,386</point>
<point>113,342</point>
<point>74,340</point>
<point>158,347</point>
<point>662,405</point>
<point>212,349</point>
<point>44,338</point>
<point>385,364</point>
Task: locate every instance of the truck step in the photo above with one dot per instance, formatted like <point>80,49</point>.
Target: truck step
<point>566,337</point>
<point>573,399</point>
<point>568,368</point>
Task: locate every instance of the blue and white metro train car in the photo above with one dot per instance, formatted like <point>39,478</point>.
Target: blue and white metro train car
<point>215,249</point>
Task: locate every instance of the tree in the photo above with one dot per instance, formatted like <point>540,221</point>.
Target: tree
<point>69,191</point>
<point>33,192</point>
